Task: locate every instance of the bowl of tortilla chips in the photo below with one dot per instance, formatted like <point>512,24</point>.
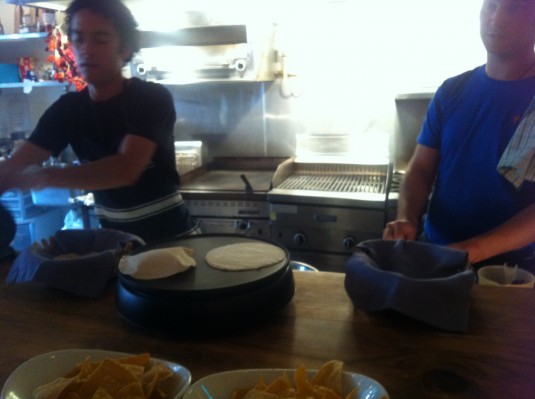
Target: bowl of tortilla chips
<point>86,373</point>
<point>329,381</point>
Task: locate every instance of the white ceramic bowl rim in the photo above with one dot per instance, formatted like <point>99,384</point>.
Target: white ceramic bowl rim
<point>221,385</point>
<point>493,274</point>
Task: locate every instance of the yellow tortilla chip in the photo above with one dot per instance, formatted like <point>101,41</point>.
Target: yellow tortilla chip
<point>325,384</point>
<point>153,377</point>
<point>258,394</point>
<point>302,384</point>
<point>138,360</point>
<point>330,375</point>
<point>109,375</point>
<point>54,389</point>
<point>129,377</point>
<point>280,386</point>
<point>131,391</point>
<point>101,393</point>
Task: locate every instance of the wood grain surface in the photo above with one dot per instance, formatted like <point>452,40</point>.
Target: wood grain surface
<point>494,359</point>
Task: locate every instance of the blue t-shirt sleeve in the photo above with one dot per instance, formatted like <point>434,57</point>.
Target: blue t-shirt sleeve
<point>431,128</point>
<point>444,103</point>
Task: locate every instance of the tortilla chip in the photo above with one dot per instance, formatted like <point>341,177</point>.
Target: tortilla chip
<point>101,393</point>
<point>330,375</point>
<point>325,384</point>
<point>131,391</point>
<point>109,375</point>
<point>155,376</point>
<point>280,386</point>
<point>53,389</point>
<point>129,377</point>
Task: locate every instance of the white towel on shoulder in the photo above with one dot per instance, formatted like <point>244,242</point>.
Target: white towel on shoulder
<point>517,162</point>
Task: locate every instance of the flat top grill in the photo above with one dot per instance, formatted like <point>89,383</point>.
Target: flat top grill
<point>375,184</point>
<point>230,179</point>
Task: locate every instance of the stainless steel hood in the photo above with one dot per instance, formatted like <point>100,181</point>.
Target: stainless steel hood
<point>222,52</point>
<point>199,49</point>
<point>59,5</point>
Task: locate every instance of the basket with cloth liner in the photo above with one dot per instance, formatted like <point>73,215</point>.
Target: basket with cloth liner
<point>81,262</point>
<point>426,282</point>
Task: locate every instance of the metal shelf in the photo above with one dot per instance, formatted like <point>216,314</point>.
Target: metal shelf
<point>14,46</point>
<point>33,84</point>
<point>17,37</point>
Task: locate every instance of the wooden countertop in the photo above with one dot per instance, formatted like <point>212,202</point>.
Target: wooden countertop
<point>495,359</point>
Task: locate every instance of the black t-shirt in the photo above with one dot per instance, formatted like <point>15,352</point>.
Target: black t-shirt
<point>96,129</point>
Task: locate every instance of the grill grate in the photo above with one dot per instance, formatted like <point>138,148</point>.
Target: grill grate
<point>340,183</point>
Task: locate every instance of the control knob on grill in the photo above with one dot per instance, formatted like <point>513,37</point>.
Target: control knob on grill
<point>349,242</point>
<point>243,225</point>
<point>299,238</point>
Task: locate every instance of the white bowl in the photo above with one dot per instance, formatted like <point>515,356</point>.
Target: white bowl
<point>221,385</point>
<point>47,367</point>
<point>495,275</point>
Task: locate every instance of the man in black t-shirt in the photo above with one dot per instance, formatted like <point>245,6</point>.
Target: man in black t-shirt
<point>120,129</point>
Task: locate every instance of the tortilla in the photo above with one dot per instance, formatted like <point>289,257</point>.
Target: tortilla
<point>157,263</point>
<point>245,256</point>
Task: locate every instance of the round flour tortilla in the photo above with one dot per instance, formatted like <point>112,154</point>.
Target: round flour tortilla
<point>157,263</point>
<point>245,256</point>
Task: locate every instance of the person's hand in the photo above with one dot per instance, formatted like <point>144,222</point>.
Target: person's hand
<point>400,230</point>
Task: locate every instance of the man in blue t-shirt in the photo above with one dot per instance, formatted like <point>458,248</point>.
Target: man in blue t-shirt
<point>452,177</point>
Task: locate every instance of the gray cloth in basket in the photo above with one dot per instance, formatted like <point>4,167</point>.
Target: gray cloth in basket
<point>89,261</point>
<point>427,282</point>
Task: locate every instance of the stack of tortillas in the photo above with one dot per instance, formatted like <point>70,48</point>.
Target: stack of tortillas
<point>245,256</point>
<point>157,263</point>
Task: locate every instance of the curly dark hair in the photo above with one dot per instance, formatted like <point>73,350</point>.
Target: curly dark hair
<point>114,11</point>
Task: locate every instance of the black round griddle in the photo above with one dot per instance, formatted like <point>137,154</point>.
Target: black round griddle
<point>203,298</point>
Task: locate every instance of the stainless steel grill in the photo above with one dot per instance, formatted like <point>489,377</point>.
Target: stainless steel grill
<point>330,183</point>
<point>321,210</point>
<point>229,195</point>
<point>375,184</point>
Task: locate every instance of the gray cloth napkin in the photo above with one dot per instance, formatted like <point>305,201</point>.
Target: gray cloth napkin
<point>517,162</point>
<point>87,260</point>
<point>424,281</point>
